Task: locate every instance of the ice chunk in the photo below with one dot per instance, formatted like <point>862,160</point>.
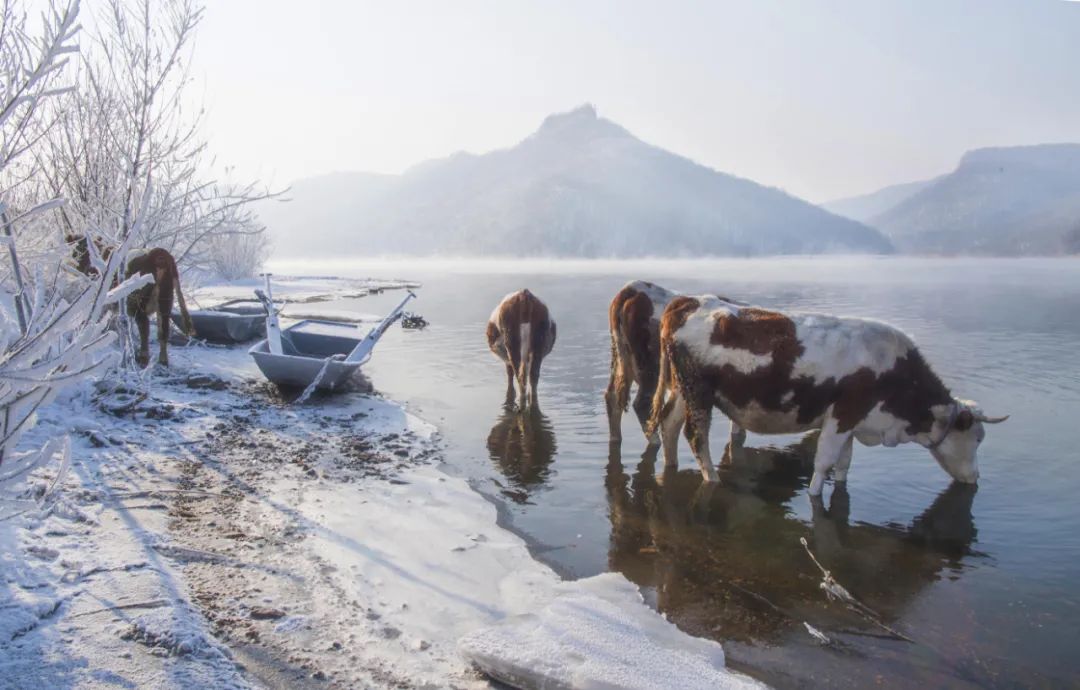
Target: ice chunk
<point>598,633</point>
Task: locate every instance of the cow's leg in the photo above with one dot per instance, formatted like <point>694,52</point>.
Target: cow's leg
<point>698,421</point>
<point>738,435</point>
<point>523,388</point>
<point>163,313</point>
<point>143,322</point>
<point>163,340</point>
<point>643,409</point>
<point>522,380</point>
<point>618,391</point>
<point>614,416</point>
<point>829,525</point>
<point>513,346</point>
<point>534,379</point>
<point>830,448</point>
<point>509,385</point>
<point>671,422</point>
<point>843,462</point>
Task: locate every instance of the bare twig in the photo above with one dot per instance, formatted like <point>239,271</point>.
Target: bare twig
<point>151,604</point>
<point>834,590</point>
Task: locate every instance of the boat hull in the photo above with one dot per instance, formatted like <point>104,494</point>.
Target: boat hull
<point>226,324</point>
<point>309,344</point>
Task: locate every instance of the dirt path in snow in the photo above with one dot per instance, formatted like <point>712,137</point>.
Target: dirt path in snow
<point>241,546</point>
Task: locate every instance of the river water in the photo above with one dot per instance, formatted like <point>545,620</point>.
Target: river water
<point>985,582</point>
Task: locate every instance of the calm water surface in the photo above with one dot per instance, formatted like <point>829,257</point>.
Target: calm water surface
<point>986,582</point>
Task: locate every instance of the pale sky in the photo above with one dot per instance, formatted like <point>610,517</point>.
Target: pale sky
<point>822,98</point>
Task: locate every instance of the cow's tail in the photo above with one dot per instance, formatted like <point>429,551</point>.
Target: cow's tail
<point>622,358</point>
<point>527,353</point>
<point>185,318</point>
<point>660,405</point>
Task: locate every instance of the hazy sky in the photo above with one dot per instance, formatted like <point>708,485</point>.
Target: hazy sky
<point>821,98</point>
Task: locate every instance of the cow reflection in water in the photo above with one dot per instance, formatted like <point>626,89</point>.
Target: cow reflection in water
<point>715,552</point>
<point>522,444</point>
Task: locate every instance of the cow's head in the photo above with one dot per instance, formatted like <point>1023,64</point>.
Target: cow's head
<point>955,437</point>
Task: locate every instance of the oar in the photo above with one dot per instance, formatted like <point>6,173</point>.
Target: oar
<point>363,349</point>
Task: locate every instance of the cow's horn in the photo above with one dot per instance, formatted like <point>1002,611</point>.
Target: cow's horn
<point>991,420</point>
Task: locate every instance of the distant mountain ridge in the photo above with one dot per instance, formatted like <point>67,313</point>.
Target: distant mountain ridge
<point>580,185</point>
<point>1006,201</point>
<point>865,207</point>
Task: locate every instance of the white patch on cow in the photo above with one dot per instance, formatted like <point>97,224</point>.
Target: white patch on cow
<point>836,347</point>
<point>657,295</point>
<point>696,335</point>
<point>880,428</point>
<point>526,342</point>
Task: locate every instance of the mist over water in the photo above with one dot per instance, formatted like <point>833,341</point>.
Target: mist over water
<point>986,580</point>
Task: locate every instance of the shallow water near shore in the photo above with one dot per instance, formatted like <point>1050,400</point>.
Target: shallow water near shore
<point>985,581</point>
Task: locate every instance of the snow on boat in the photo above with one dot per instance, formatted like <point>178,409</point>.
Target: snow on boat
<point>315,354</point>
<point>236,321</point>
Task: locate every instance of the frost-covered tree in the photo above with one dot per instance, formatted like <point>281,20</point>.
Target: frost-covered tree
<point>47,342</point>
<point>129,127</point>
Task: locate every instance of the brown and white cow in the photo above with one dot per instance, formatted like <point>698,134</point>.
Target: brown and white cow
<point>774,373</point>
<point>156,297</point>
<point>634,319</point>
<point>521,333</point>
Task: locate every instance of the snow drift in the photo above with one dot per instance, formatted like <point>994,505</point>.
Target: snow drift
<point>597,633</point>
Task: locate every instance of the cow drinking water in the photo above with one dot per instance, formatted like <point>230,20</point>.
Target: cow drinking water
<point>775,373</point>
<point>521,333</point>
<point>634,319</point>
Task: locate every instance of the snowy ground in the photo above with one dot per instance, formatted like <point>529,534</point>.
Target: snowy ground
<point>218,535</point>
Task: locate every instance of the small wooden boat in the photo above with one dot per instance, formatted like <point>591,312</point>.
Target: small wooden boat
<point>314,353</point>
<point>236,321</point>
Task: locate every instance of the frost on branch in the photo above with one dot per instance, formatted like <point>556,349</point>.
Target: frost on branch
<point>47,342</point>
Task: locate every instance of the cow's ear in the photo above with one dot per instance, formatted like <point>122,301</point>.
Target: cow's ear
<point>964,420</point>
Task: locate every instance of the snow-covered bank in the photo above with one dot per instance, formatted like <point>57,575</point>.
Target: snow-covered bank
<point>88,594</point>
<point>597,633</point>
<point>290,289</point>
<point>220,536</point>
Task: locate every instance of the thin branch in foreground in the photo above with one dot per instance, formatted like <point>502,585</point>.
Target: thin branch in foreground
<point>834,590</point>
<point>151,604</point>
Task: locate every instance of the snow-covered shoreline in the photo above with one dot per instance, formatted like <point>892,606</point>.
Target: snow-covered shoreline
<point>220,536</point>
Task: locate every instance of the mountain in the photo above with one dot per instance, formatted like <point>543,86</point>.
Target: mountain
<point>999,201</point>
<point>580,185</point>
<point>867,206</point>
